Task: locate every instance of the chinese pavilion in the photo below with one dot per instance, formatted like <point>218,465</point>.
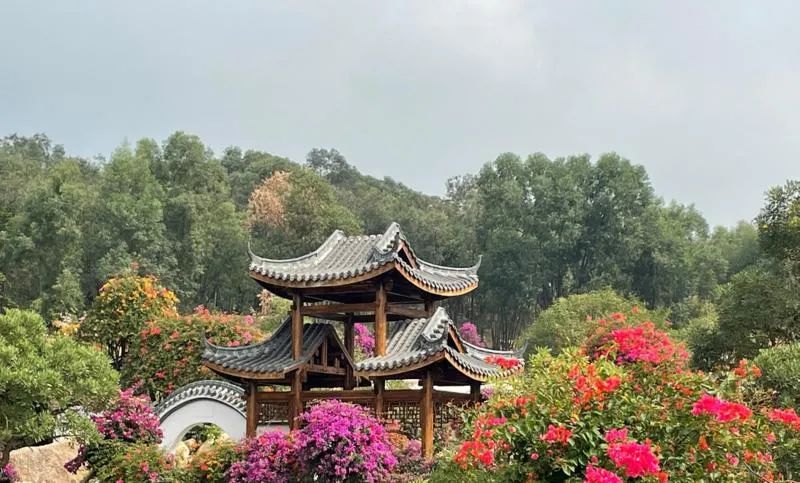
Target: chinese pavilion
<point>374,279</point>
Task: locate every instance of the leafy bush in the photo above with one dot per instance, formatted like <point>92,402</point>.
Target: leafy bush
<point>140,463</point>
<point>211,466</point>
<point>780,366</point>
<point>44,379</point>
<point>570,320</point>
<point>121,309</point>
<point>625,406</point>
<point>165,354</point>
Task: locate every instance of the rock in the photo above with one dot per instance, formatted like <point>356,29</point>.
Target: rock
<point>182,454</point>
<point>45,464</point>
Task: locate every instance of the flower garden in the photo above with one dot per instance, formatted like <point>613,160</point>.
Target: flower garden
<point>623,405</point>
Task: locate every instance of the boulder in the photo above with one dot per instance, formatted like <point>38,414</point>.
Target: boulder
<point>45,464</point>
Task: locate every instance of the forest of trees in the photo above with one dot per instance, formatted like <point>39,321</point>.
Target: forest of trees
<point>546,228</point>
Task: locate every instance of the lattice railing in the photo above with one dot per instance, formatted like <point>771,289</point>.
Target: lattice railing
<point>273,412</point>
<point>407,415</point>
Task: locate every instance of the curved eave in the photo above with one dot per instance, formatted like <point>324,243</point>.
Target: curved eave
<point>466,286</point>
<point>437,357</point>
<point>249,375</point>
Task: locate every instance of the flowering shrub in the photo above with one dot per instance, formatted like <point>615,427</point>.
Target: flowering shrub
<point>338,442</point>
<point>469,332</point>
<point>130,419</point>
<point>165,354</point>
<point>625,406</point>
<point>271,457</point>
<point>140,463</point>
<point>365,341</point>
<point>121,309</point>
<point>212,465</point>
<point>411,465</point>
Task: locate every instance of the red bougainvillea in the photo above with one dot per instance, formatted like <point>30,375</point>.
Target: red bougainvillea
<point>506,363</point>
<point>626,406</point>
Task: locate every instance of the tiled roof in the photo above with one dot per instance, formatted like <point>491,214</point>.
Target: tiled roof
<point>342,257</point>
<point>272,356</point>
<point>416,341</point>
<point>222,391</point>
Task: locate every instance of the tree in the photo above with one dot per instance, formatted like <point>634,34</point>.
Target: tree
<point>758,308</point>
<point>47,383</point>
<point>292,213</point>
<point>779,223</point>
<point>121,309</point>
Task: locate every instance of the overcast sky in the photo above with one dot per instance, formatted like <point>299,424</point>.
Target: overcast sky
<point>705,95</point>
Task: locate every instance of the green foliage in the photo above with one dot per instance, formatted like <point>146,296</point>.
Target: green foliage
<point>780,367</point>
<point>47,382</point>
<point>165,353</point>
<point>139,462</point>
<point>758,308</point>
<point>570,320</point>
<point>121,309</point>
<point>779,223</point>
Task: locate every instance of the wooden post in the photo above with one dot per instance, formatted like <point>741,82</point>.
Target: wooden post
<point>429,307</point>
<point>349,346</point>
<point>297,326</point>
<point>475,391</point>
<point>426,415</point>
<point>296,404</point>
<point>252,410</point>
<point>379,388</point>
<point>380,320</point>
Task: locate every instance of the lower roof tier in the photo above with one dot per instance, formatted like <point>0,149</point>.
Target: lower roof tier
<point>414,345</point>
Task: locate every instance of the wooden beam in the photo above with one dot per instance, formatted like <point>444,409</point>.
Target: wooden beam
<point>349,346</point>
<point>324,353</point>
<point>337,308</point>
<point>426,415</point>
<point>297,326</point>
<point>339,371</point>
<point>409,312</point>
<point>379,390</point>
<point>252,410</point>
<point>296,403</point>
<point>380,320</point>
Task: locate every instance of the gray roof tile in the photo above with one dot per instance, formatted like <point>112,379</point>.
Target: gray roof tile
<point>342,257</point>
<point>413,341</point>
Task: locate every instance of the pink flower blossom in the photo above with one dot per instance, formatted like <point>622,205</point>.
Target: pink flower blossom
<point>595,474</point>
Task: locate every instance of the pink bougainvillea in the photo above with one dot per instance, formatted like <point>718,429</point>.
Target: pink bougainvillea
<point>340,440</point>
<point>636,459</point>
<point>364,339</point>
<point>723,411</point>
<point>469,332</point>
<point>9,473</point>
<point>131,419</point>
<point>271,457</point>
<point>595,474</point>
<point>506,363</point>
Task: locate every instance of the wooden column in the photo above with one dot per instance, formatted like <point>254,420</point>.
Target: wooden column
<point>296,403</point>
<point>252,410</point>
<point>349,346</point>
<point>429,307</point>
<point>380,320</point>
<point>379,388</point>
<point>475,391</point>
<point>297,326</point>
<point>426,415</point>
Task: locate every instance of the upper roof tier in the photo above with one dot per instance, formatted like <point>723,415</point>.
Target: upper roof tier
<point>343,260</point>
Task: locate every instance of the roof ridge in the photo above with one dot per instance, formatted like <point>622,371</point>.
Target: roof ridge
<point>322,250</point>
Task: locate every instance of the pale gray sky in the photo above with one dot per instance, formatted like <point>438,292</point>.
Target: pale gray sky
<point>704,94</point>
